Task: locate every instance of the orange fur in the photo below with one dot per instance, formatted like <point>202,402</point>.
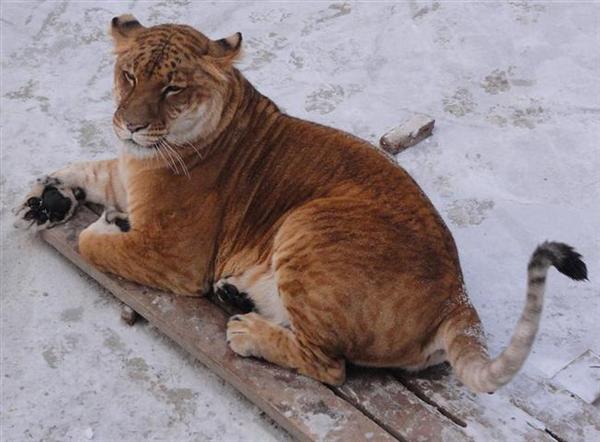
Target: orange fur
<point>344,238</point>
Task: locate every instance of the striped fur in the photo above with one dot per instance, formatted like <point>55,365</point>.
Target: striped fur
<point>466,349</point>
<point>344,256</point>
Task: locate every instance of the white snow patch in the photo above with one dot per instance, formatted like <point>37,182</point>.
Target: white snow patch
<point>89,433</point>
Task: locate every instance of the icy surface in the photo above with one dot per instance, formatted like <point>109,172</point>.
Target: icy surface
<point>514,88</point>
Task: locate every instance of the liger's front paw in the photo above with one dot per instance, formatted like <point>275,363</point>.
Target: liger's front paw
<point>111,221</point>
<point>49,203</point>
<point>119,219</point>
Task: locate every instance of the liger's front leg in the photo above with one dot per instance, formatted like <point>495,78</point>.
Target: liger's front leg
<point>54,198</point>
<point>113,245</point>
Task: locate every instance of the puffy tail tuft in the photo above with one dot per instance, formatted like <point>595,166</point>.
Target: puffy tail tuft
<point>466,349</point>
<point>562,256</point>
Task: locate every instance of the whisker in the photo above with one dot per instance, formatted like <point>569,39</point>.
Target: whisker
<point>156,157</point>
<point>171,154</point>
<point>160,152</point>
<point>174,167</point>
<point>195,150</point>
<point>183,163</point>
<point>178,158</point>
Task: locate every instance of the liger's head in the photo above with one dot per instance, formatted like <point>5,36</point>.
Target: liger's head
<point>171,83</point>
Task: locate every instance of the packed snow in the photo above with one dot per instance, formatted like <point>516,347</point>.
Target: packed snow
<point>514,88</point>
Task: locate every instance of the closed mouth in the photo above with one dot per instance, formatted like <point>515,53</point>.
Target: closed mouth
<point>133,143</point>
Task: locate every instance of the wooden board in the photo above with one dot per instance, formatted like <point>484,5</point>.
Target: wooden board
<point>305,408</point>
<point>378,394</point>
<point>565,415</point>
<point>489,417</point>
<point>372,405</point>
<point>525,409</point>
<point>581,377</point>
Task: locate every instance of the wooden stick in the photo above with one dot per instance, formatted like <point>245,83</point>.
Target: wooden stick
<point>129,315</point>
<point>410,132</point>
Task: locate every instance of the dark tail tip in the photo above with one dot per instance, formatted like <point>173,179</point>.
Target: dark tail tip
<point>567,261</point>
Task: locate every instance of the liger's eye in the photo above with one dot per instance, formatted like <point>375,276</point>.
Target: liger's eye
<point>129,77</point>
<point>172,90</point>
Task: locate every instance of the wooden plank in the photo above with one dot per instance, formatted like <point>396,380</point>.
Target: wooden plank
<point>379,395</point>
<point>487,417</point>
<point>581,376</point>
<point>305,408</point>
<point>372,404</point>
<point>565,415</point>
<point>522,409</point>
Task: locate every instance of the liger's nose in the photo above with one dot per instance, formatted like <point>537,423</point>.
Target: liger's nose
<point>134,127</point>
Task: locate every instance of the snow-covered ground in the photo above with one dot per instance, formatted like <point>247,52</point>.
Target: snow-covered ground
<point>514,160</point>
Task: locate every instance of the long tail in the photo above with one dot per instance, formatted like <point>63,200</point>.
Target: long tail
<point>465,345</point>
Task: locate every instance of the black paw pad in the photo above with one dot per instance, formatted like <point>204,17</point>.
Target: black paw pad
<point>34,201</point>
<point>57,205</point>
<point>229,294</point>
<point>79,193</point>
<point>123,224</point>
<point>51,206</point>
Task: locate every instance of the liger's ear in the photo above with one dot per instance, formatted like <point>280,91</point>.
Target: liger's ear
<point>226,49</point>
<point>123,29</point>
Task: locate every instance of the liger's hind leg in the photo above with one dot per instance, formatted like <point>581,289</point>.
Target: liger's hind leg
<point>253,335</point>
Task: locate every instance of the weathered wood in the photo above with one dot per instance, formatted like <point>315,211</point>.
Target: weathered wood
<point>379,395</point>
<point>526,409</point>
<point>128,315</point>
<point>581,376</point>
<point>407,134</point>
<point>305,408</point>
<point>372,404</point>
<point>565,415</point>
